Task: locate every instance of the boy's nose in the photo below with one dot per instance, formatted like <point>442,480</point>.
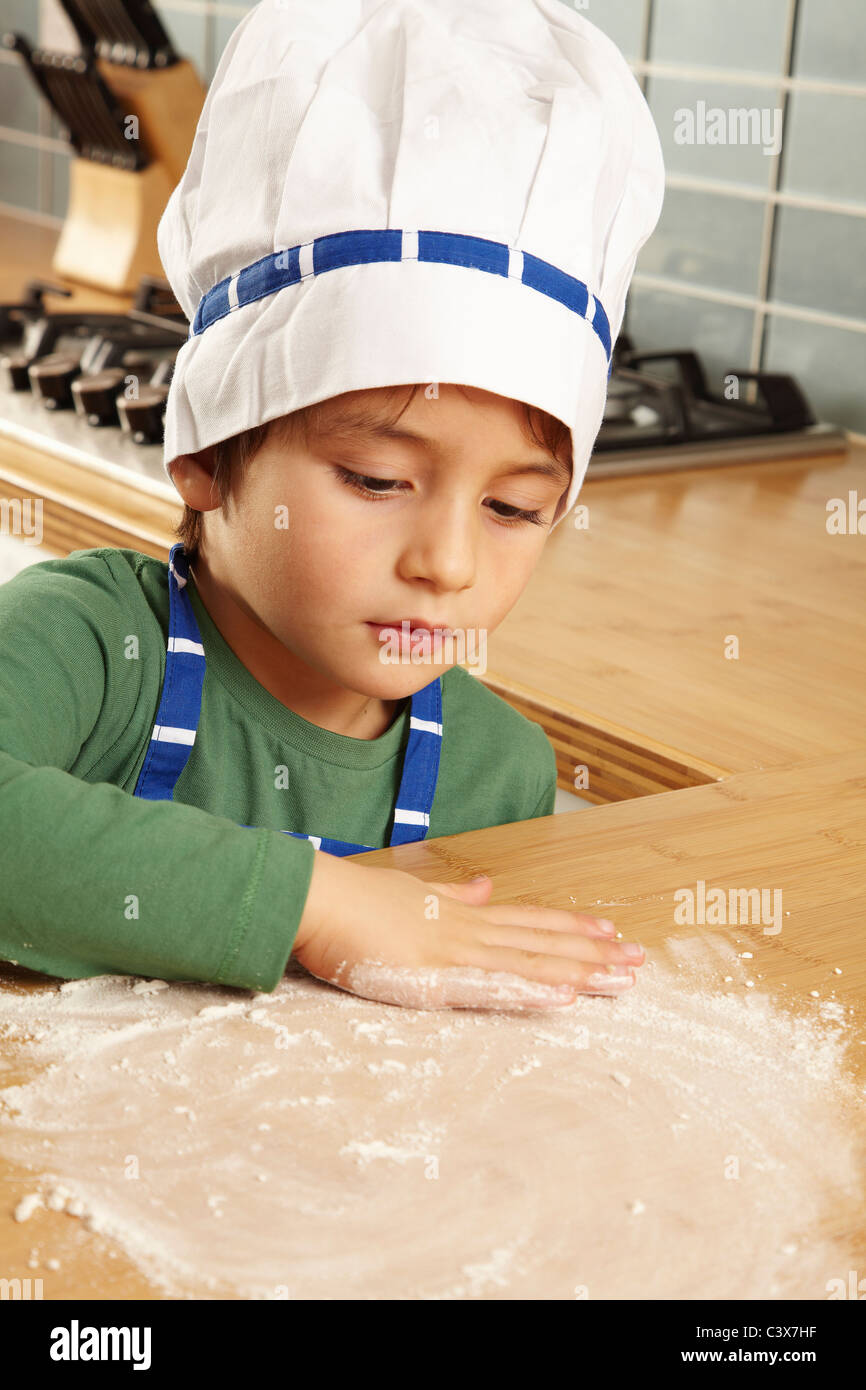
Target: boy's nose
<point>443,551</point>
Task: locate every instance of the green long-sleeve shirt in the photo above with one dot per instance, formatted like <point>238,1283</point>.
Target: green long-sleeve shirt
<point>94,880</point>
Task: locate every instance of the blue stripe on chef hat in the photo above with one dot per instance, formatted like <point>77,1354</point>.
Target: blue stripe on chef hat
<point>282,269</point>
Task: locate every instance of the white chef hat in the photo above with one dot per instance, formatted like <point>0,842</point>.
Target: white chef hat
<point>383,192</point>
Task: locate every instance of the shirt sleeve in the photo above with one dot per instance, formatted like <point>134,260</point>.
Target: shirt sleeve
<point>93,880</point>
<point>547,765</point>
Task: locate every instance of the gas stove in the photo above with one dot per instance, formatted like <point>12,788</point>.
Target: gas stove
<point>661,414</point>
<point>91,388</point>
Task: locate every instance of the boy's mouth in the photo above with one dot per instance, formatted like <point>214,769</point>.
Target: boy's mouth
<point>415,624</point>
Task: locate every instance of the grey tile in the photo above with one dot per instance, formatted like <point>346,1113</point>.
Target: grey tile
<point>19,99</point>
<point>737,34</point>
<point>706,239</point>
<point>721,334</point>
<point>224,27</point>
<point>19,177</point>
<point>733,161</point>
<point>621,20</point>
<point>188,34</point>
<point>819,261</point>
<point>831,40</point>
<point>829,364</point>
<point>60,165</point>
<point>56,128</point>
<point>21,16</point>
<point>824,146</point>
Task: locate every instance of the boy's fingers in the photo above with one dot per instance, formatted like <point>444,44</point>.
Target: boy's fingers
<point>497,989</point>
<point>587,976</point>
<point>592,950</point>
<point>546,918</point>
<point>524,914</point>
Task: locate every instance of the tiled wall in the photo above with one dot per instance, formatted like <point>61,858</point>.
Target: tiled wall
<point>759,259</point>
<point>34,163</point>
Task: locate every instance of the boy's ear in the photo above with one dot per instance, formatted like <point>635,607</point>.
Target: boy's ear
<point>192,475</point>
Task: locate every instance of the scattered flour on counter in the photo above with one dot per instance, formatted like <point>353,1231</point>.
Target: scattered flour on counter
<point>237,1143</point>
<point>26,1207</point>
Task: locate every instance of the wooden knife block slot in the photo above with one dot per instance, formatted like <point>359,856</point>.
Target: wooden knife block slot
<point>167,102</point>
<point>109,236</point>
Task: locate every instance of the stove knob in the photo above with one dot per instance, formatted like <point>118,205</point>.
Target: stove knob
<point>94,396</point>
<point>51,379</point>
<point>15,366</point>
<point>142,418</point>
<point>138,364</point>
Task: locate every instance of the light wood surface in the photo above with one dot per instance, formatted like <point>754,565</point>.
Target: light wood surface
<point>26,251</point>
<point>800,829</point>
<point>109,235</point>
<point>167,102</point>
<point>622,630</point>
<point>81,509</point>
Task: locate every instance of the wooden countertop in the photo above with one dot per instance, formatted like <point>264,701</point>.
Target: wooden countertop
<point>800,829</point>
<point>620,638</point>
<point>26,249</point>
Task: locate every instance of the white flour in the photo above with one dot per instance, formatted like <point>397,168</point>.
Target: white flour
<point>685,1140</point>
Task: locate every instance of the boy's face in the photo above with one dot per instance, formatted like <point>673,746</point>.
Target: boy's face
<point>327,539</point>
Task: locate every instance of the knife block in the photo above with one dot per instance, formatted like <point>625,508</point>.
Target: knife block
<point>109,235</point>
<point>167,102</point>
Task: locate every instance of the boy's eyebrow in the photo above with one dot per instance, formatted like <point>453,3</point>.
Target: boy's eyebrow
<point>365,429</point>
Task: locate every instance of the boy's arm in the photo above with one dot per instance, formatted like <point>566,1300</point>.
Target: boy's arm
<point>93,880</point>
<point>547,766</point>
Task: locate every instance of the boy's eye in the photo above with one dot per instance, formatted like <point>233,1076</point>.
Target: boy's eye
<point>382,487</point>
<point>362,483</point>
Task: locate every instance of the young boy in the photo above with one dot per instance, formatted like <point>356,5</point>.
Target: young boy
<point>403,240</point>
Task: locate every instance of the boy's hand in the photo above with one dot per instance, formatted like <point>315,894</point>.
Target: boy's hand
<point>389,936</point>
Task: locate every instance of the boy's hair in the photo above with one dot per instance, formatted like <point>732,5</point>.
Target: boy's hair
<point>231,456</point>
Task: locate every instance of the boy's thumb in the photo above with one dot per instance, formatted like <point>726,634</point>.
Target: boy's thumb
<point>474,888</point>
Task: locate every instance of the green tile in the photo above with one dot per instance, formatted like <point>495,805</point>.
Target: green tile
<point>686,244</point>
<point>831,40</point>
<point>621,20</point>
<point>829,364</point>
<point>735,160</point>
<point>824,146</point>
<point>834,280</point>
<point>738,34</point>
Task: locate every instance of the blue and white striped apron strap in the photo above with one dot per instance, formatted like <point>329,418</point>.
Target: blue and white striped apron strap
<point>420,766</point>
<point>417,784</point>
<point>180,703</point>
<point>338,847</point>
